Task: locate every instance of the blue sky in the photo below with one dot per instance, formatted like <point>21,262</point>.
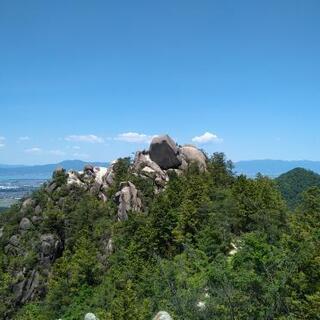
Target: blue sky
<point>77,76</point>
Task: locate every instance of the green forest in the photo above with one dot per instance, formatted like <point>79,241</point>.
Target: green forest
<point>210,245</point>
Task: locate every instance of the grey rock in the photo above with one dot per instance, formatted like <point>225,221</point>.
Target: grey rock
<point>36,220</point>
<point>74,179</point>
<point>88,168</point>
<point>51,187</point>
<point>25,289</point>
<point>162,315</point>
<point>15,240</point>
<point>95,188</point>
<point>30,287</point>
<point>127,200</point>
<point>28,203</point>
<point>25,224</point>
<point>148,168</point>
<point>17,289</point>
<point>37,210</point>
<point>164,152</point>
<point>13,247</point>
<point>102,197</point>
<point>59,170</point>
<point>50,249</point>
<point>1,232</point>
<point>192,154</point>
<point>90,316</point>
<point>108,178</point>
<point>110,247</point>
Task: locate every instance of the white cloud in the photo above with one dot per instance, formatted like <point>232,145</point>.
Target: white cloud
<point>134,137</point>
<point>33,150</point>
<point>57,152</point>
<point>91,138</point>
<point>24,138</point>
<point>76,147</point>
<point>206,138</point>
<point>2,145</point>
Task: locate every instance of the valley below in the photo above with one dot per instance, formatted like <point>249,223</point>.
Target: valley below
<point>12,190</point>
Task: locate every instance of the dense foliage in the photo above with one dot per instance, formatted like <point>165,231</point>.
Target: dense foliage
<point>210,246</point>
<point>293,183</point>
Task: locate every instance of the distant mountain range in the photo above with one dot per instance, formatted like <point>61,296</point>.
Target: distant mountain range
<point>251,168</point>
<point>273,168</point>
<point>41,171</point>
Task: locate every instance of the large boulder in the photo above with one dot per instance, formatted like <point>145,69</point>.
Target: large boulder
<point>13,247</point>
<point>164,151</point>
<point>192,154</point>
<point>50,249</point>
<point>90,316</point>
<point>74,178</point>
<point>148,168</point>
<point>25,224</point>
<point>162,315</point>
<point>127,200</point>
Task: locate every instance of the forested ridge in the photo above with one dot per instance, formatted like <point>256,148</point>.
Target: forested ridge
<point>294,182</point>
<point>209,245</point>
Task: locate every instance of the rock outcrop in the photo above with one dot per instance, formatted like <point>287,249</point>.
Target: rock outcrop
<point>50,249</point>
<point>128,200</point>
<point>162,315</point>
<point>90,316</point>
<point>32,240</point>
<point>192,154</point>
<point>164,152</point>
<point>25,224</point>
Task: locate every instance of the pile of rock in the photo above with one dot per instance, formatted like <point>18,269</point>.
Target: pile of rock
<point>165,155</point>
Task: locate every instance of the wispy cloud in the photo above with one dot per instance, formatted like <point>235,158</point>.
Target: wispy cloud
<point>33,150</point>
<point>90,138</point>
<point>207,137</point>
<point>134,137</point>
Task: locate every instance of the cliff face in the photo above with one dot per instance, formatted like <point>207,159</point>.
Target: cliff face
<point>41,230</point>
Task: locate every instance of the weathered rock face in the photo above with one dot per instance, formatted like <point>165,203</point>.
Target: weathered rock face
<point>128,200</point>
<point>50,249</point>
<point>13,247</point>
<point>162,315</point>
<point>74,178</point>
<point>26,287</point>
<point>27,204</point>
<point>164,152</point>
<point>191,154</point>
<point>25,224</point>
<point>148,168</point>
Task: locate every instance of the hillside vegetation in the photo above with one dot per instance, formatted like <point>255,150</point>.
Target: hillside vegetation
<point>206,244</point>
<point>293,183</point>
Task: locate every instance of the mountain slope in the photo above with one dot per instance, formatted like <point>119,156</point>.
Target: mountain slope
<point>170,230</point>
<point>273,168</point>
<point>296,181</point>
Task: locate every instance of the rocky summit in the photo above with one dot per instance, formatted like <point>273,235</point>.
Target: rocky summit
<point>32,236</point>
